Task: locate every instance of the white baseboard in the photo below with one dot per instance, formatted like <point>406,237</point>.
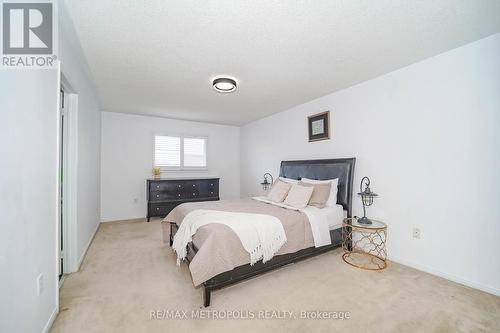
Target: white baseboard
<point>454,278</point>
<point>87,247</point>
<point>51,320</point>
<point>114,219</point>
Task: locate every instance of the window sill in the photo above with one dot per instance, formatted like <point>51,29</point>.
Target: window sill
<point>163,170</point>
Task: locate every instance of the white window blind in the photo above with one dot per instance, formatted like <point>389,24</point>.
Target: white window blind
<point>195,152</point>
<point>179,152</point>
<point>167,151</point>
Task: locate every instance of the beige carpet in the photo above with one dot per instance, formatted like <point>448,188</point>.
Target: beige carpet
<point>128,272</point>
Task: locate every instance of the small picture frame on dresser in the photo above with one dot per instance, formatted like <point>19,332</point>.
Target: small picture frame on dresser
<point>319,126</point>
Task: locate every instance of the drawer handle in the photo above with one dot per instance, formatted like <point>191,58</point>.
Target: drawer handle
<point>178,195</point>
<point>179,186</point>
<point>157,208</point>
<point>211,192</point>
<point>157,186</point>
<point>211,184</point>
<point>194,194</point>
<point>157,195</point>
<point>194,185</point>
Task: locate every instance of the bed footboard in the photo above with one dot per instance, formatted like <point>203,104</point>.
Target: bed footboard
<point>245,272</point>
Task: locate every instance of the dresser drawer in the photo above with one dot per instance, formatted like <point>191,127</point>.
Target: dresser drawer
<point>191,191</point>
<point>160,209</point>
<point>163,186</point>
<point>210,188</point>
<point>171,190</point>
<point>165,194</point>
<point>201,189</point>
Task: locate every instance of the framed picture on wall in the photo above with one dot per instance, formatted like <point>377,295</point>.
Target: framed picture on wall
<point>319,126</point>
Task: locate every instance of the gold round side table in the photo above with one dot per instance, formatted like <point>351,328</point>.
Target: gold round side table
<point>364,244</point>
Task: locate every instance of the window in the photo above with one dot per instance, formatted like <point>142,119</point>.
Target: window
<point>180,152</point>
<point>194,152</point>
<point>167,151</point>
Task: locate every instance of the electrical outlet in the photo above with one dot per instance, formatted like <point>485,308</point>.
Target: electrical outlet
<point>39,285</point>
<point>416,233</point>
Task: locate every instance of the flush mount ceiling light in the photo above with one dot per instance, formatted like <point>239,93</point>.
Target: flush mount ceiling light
<point>224,85</point>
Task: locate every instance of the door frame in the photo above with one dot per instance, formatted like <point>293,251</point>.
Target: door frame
<point>70,181</point>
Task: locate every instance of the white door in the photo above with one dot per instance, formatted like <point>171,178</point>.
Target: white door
<point>62,160</point>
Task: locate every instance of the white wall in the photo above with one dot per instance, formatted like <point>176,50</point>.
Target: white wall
<point>28,197</point>
<point>76,71</point>
<point>127,159</point>
<point>428,136</point>
<point>29,126</point>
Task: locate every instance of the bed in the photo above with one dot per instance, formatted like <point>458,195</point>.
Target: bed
<point>215,256</point>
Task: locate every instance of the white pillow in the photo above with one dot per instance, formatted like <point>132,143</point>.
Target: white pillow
<point>299,196</point>
<point>279,191</point>
<point>289,180</point>
<point>332,199</point>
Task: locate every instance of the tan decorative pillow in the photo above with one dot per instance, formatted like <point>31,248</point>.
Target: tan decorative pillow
<point>332,199</point>
<point>279,191</point>
<point>299,196</point>
<point>320,195</point>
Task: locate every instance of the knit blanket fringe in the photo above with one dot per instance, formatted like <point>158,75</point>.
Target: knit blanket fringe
<point>261,235</point>
<point>266,252</point>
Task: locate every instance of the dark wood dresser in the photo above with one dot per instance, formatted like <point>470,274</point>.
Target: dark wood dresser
<point>165,194</point>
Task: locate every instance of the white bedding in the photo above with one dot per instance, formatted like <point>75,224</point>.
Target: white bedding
<point>336,216</point>
<point>261,235</point>
<point>322,220</point>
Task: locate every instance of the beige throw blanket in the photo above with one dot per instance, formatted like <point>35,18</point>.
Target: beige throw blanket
<point>261,235</point>
<point>220,249</point>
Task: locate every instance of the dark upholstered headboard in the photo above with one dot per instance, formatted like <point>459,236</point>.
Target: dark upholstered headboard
<point>342,168</point>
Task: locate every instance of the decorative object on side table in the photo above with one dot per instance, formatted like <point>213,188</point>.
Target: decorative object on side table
<point>266,184</point>
<point>366,198</point>
<point>364,244</point>
<point>156,172</point>
<point>319,126</point>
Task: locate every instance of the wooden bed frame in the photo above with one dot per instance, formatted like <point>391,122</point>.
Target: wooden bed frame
<point>343,169</point>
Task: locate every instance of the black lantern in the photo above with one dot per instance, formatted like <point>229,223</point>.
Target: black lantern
<point>366,198</point>
<point>265,184</point>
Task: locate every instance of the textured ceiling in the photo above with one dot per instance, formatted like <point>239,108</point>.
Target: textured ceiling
<point>158,57</point>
